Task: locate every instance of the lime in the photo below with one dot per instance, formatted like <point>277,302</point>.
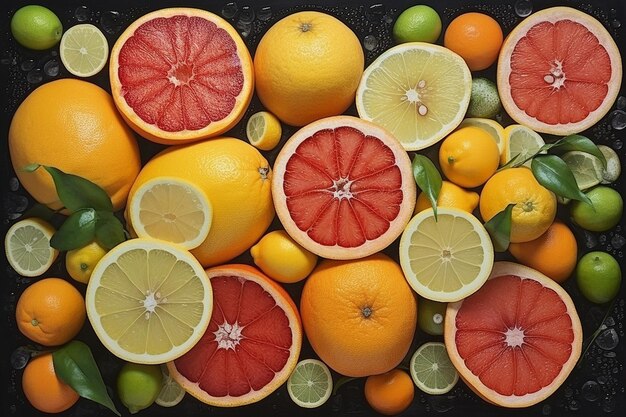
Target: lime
<point>419,23</point>
<point>81,262</point>
<point>484,100</point>
<point>613,167</point>
<point>138,385</point>
<point>598,276</point>
<point>263,130</point>
<point>430,316</point>
<point>27,247</point>
<point>84,50</point>
<point>431,369</point>
<point>36,27</point>
<point>520,140</point>
<point>171,392</point>
<point>605,212</point>
<point>310,383</point>
<point>282,258</point>
<point>587,169</point>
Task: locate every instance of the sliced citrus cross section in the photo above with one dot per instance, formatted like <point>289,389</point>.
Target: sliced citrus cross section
<point>171,392</point>
<point>520,142</point>
<point>310,383</point>
<point>27,247</point>
<point>431,369</point>
<point>587,169</point>
<point>84,50</point>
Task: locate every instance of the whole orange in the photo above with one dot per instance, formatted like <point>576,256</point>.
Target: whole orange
<point>359,315</point>
<point>74,126</point>
<point>50,312</point>
<point>308,66</point>
<point>476,37</point>
<point>554,253</point>
<point>43,388</point>
<point>389,393</point>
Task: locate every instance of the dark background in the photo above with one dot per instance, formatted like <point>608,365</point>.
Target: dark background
<point>603,367</point>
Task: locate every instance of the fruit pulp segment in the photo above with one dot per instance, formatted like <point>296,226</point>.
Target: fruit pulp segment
<point>247,342</point>
<point>343,187</point>
<point>559,72</point>
<point>180,73</point>
<point>149,301</point>
<point>514,334</point>
<point>29,248</point>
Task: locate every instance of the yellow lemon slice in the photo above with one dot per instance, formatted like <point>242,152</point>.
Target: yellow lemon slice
<point>27,247</point>
<point>520,140</point>
<point>263,130</point>
<point>84,50</point>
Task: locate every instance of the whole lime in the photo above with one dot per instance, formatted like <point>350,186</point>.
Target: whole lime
<point>484,99</point>
<point>139,385</point>
<point>431,315</point>
<point>598,276</point>
<point>419,23</point>
<point>36,27</point>
<point>604,213</point>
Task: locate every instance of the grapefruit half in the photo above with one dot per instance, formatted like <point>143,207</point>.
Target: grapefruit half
<point>516,339</point>
<point>559,71</point>
<point>252,343</point>
<point>343,187</point>
<point>181,74</point>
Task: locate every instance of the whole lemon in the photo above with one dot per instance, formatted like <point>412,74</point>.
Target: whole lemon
<point>604,214</point>
<point>81,262</point>
<point>282,258</point>
<point>450,195</point>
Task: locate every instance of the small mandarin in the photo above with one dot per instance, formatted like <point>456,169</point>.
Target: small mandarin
<point>43,388</point>
<point>476,37</point>
<point>389,393</point>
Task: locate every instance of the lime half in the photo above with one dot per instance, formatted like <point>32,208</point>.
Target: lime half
<point>431,369</point>
<point>587,169</point>
<point>310,383</point>
<point>171,392</point>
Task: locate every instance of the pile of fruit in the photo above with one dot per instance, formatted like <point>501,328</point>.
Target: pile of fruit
<point>367,204</point>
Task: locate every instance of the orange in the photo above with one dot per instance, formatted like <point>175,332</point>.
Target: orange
<point>308,66</point>
<point>73,125</point>
<point>359,315</point>
<point>43,388</point>
<point>469,156</point>
<point>50,312</point>
<point>477,37</point>
<point>389,393</point>
<point>450,195</point>
<point>535,206</point>
<point>554,253</point>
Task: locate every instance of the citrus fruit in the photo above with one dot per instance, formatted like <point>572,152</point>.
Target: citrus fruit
<point>535,205</point>
<point>43,389</point>
<point>554,253</point>
<point>171,392</point>
<point>81,262</point>
<point>263,130</point>
<point>50,312</point>
<point>559,87</point>
<point>450,195</point>
<point>613,168</point>
<point>281,258</point>
<point>418,23</point>
<point>307,66</point>
<point>343,187</point>
<point>495,129</point>
<point>27,247</point>
<point>236,179</point>
<point>447,258</point>
<point>359,315</point>
<point>431,369</point>
<point>73,125</point>
<point>599,276</point>
<point>252,343</point>
<point>138,385</point>
<point>148,301</point>
<point>171,209</point>
<point>430,316</point>
<point>604,213</point>
<point>469,156</point>
<point>310,383</point>
<point>389,393</point>
<point>515,340</point>
<point>417,91</point>
<point>193,81</point>
<point>587,169</point>
<point>476,37</point>
<point>484,100</point>
<point>36,27</point>
<point>84,50</point>
<point>520,142</point>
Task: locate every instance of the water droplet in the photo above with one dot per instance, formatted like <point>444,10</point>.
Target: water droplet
<point>7,60</point>
<point>591,240</point>
<point>574,405</point>
<point>370,42</point>
<point>621,103</point>
<point>608,404</point>
<point>546,410</point>
<point>20,357</point>
<point>608,339</point>
<point>230,10</point>
<point>610,355</point>
<point>244,28</point>
<point>34,76</point>
<point>27,64</point>
<point>602,380</point>
<point>618,119</point>
<point>618,241</point>
<point>616,23</point>
<point>387,19</point>
<point>14,184</point>
<point>376,12</point>
<point>51,68</point>
<point>15,203</point>
<point>591,391</point>
<point>618,144</point>
<point>609,321</point>
<point>265,13</point>
<point>111,22</point>
<point>523,8</point>
<point>246,15</point>
<point>82,13</point>
<point>569,392</point>
<point>442,403</point>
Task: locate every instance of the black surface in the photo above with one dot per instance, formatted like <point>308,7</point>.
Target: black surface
<point>605,367</point>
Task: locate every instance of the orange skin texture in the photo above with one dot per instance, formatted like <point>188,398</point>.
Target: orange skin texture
<point>476,37</point>
<point>43,388</point>
<point>390,393</point>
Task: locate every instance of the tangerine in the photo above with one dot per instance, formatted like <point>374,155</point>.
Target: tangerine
<point>389,393</point>
<point>476,37</point>
<point>43,388</point>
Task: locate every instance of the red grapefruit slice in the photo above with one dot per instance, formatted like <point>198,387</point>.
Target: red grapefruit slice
<point>515,340</point>
<point>559,71</point>
<point>343,187</point>
<point>252,343</point>
<point>181,74</point>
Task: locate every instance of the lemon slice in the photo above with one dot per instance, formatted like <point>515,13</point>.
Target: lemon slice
<point>613,166</point>
<point>490,126</point>
<point>27,247</point>
<point>431,369</point>
<point>263,130</point>
<point>310,383</point>
<point>520,140</point>
<point>448,258</point>
<point>84,50</point>
<point>418,91</point>
<point>171,392</point>
<point>149,301</point>
<point>587,169</point>
<point>173,210</point>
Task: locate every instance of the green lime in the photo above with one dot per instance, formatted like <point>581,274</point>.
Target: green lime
<point>310,384</point>
<point>36,27</point>
<point>431,369</point>
<point>598,276</point>
<point>484,100</point>
<point>430,316</point>
<point>139,385</point>
<point>587,169</point>
<point>417,24</point>
<point>171,392</point>
<point>605,212</point>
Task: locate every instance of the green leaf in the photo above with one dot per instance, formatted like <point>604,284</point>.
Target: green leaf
<point>31,167</point>
<point>499,228</point>
<point>341,382</point>
<point>109,230</point>
<point>554,174</point>
<point>578,143</point>
<point>78,230</point>
<point>74,364</point>
<point>78,193</point>
<point>428,179</point>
